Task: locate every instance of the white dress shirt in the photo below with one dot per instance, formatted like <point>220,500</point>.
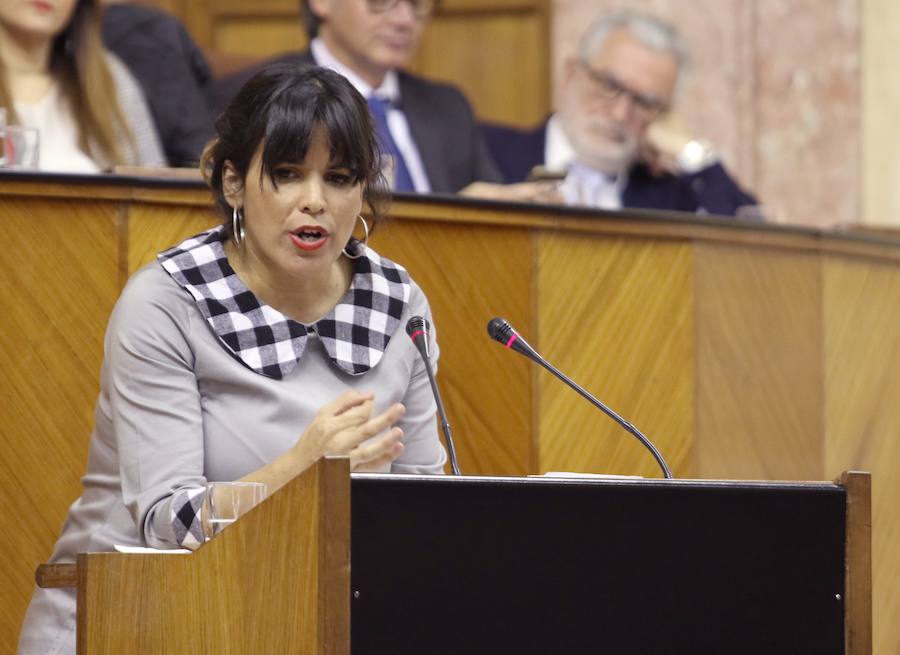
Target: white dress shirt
<point>58,148</point>
<point>583,185</point>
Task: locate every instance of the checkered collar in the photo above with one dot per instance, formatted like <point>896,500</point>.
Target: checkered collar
<point>354,333</point>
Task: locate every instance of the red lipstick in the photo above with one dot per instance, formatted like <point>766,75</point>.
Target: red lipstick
<point>309,237</point>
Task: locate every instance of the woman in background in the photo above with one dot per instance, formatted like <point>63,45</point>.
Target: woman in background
<point>56,76</point>
<point>251,350</point>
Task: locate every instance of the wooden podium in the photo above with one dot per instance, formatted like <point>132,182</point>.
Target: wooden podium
<point>745,351</point>
<point>500,565</point>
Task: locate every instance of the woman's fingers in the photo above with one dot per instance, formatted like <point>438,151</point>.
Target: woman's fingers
<point>350,437</point>
<point>377,453</point>
<point>344,402</point>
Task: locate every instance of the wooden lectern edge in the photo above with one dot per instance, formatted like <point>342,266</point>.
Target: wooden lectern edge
<point>335,471</point>
<point>858,563</point>
<point>332,469</point>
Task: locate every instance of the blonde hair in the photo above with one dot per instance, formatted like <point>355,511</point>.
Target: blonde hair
<point>78,63</point>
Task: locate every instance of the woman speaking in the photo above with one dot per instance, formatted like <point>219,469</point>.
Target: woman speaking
<point>251,350</point>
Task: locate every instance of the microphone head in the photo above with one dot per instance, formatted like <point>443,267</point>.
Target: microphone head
<point>416,324</point>
<point>500,330</point>
<point>417,328</point>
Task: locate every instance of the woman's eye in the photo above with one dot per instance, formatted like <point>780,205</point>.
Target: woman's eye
<point>341,179</point>
<point>284,174</point>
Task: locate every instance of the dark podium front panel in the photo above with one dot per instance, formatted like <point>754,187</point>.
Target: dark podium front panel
<point>512,565</point>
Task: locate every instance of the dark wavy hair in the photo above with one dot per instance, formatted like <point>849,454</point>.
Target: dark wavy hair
<point>281,107</point>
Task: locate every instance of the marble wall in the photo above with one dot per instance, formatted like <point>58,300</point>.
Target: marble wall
<point>775,85</point>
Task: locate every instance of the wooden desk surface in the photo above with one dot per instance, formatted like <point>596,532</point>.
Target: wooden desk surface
<point>744,351</point>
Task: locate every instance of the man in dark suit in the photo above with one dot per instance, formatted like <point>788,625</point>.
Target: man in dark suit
<point>172,72</point>
<point>427,128</point>
<point>613,138</point>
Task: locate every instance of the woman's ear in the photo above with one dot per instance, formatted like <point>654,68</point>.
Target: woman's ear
<point>232,185</point>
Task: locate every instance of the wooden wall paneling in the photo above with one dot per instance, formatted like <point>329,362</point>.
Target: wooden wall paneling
<point>497,53</point>
<point>770,379</point>
<point>254,30</point>
<point>472,273</point>
<point>154,227</point>
<point>258,37</point>
<point>616,315</point>
<point>759,364</point>
<point>862,360</point>
<point>59,272</point>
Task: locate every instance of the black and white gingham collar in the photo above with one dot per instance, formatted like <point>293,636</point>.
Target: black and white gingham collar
<point>354,334</point>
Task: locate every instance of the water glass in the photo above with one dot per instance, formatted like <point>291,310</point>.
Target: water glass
<point>22,147</point>
<point>226,502</point>
<point>2,137</point>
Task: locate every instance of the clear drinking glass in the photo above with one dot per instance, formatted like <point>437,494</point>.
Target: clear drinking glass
<point>22,147</point>
<point>226,502</point>
<point>2,137</point>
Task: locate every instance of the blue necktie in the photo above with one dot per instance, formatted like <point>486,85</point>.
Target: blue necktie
<point>378,107</point>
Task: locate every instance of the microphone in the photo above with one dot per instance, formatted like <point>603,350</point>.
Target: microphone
<point>418,328</point>
<point>500,330</point>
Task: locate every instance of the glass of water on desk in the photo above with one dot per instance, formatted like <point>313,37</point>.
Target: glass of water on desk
<point>226,502</point>
<point>2,137</point>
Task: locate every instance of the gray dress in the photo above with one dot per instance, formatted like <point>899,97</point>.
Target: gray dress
<point>178,408</point>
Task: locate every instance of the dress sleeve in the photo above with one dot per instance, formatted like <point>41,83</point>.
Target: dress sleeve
<point>423,452</point>
<point>154,408</point>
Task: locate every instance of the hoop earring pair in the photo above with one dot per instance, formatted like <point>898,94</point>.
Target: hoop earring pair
<point>360,246</point>
<point>237,227</point>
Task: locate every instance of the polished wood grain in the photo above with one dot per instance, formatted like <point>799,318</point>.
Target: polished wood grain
<point>862,358</point>
<point>617,316</point>
<point>51,576</point>
<point>759,365</point>
<point>471,275</point>
<point>276,581</point>
<point>59,273</point>
<point>744,351</point>
<point>154,227</point>
<point>858,585</point>
<point>497,54</point>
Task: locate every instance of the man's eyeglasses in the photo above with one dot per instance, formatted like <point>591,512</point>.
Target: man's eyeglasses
<point>421,8</point>
<point>604,86</point>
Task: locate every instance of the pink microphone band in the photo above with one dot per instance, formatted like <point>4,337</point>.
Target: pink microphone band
<point>512,340</point>
<point>415,334</point>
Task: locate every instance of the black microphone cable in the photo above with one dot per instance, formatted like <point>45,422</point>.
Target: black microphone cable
<point>500,330</point>
<point>417,328</point>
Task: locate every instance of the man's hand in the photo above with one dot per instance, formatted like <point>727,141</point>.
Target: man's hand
<point>544,192</point>
<point>663,148</point>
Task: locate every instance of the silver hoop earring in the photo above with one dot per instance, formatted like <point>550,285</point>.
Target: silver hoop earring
<point>237,227</point>
<point>360,246</point>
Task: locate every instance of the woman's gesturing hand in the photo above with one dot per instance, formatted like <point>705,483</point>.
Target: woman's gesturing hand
<point>346,426</point>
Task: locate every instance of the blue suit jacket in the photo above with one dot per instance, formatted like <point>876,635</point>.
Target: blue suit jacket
<point>440,119</point>
<point>712,190</point>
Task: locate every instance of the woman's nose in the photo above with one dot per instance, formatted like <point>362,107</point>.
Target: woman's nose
<point>312,199</point>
